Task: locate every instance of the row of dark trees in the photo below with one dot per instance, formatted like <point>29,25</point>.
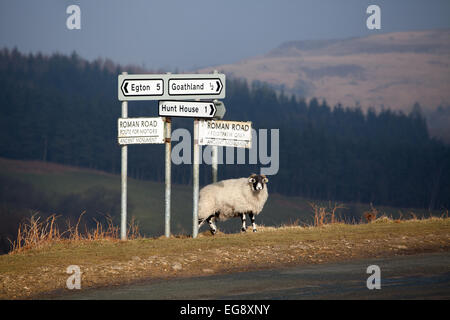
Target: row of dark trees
<point>64,109</point>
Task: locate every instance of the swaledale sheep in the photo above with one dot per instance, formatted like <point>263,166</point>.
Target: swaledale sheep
<point>232,198</point>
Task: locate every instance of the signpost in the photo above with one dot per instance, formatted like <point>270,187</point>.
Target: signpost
<point>134,131</point>
<point>195,180</point>
<point>172,90</point>
<point>168,174</point>
<point>171,86</point>
<point>123,179</point>
<point>225,133</point>
<point>192,109</point>
<point>140,130</point>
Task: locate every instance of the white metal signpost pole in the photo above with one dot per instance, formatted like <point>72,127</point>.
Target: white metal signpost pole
<point>195,171</point>
<point>168,175</point>
<point>168,178</point>
<point>123,212</point>
<point>214,158</point>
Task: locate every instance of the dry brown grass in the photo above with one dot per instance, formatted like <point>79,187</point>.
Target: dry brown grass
<point>37,232</point>
<point>325,214</point>
<point>371,215</point>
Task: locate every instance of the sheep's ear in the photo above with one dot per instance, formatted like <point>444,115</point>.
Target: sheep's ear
<point>265,179</point>
<point>252,179</point>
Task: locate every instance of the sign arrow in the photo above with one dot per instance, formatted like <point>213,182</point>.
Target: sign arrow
<point>125,86</point>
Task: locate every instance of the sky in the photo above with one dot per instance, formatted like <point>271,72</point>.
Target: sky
<point>185,35</point>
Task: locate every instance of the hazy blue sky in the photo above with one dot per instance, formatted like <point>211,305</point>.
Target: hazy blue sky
<point>194,33</point>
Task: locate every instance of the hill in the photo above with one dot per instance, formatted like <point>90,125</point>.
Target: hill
<point>393,70</point>
<point>64,109</point>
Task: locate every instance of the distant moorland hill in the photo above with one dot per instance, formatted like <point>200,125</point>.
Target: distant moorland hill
<point>391,70</point>
<point>64,109</point>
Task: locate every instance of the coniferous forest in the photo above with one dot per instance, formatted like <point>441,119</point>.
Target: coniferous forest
<point>64,109</point>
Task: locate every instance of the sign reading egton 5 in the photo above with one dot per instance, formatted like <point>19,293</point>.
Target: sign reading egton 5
<point>140,130</point>
<point>225,133</point>
<point>142,87</point>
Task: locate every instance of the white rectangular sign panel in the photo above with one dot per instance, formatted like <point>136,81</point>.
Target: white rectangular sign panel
<point>225,133</point>
<point>191,109</point>
<point>171,86</point>
<point>143,87</point>
<point>186,86</point>
<point>140,130</point>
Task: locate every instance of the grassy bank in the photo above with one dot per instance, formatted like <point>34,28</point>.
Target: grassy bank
<point>107,262</point>
<point>145,199</point>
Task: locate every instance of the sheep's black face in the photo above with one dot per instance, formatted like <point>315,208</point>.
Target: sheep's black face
<point>257,181</point>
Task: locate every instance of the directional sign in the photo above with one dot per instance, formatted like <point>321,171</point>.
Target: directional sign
<point>225,133</point>
<point>142,87</point>
<point>171,86</point>
<point>140,130</point>
<point>192,109</point>
<point>186,86</point>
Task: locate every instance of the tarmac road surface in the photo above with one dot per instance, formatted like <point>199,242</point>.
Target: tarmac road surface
<point>424,276</point>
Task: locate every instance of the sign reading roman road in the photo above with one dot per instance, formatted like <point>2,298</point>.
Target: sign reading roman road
<point>171,86</point>
<point>192,109</point>
<point>225,133</point>
<point>140,130</point>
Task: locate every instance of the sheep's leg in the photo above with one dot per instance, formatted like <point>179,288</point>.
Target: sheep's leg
<point>201,221</point>
<point>252,218</point>
<point>212,226</point>
<point>244,228</point>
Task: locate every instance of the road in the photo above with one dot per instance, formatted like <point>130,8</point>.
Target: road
<point>425,276</point>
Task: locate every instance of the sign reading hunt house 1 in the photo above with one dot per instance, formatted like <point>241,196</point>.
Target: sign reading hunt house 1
<point>225,133</point>
<point>191,109</point>
<point>171,86</point>
<point>140,130</point>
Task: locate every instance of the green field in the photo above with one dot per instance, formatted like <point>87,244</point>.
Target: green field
<point>146,198</point>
